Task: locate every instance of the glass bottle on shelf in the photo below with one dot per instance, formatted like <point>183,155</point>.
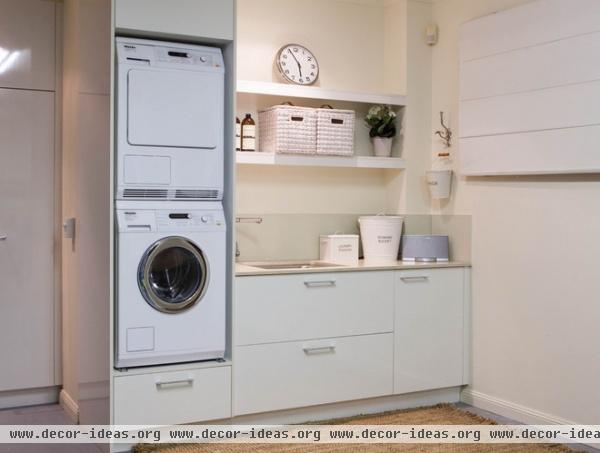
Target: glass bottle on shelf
<point>248,133</point>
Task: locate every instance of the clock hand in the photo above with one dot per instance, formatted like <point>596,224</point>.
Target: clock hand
<point>297,62</point>
<point>293,56</point>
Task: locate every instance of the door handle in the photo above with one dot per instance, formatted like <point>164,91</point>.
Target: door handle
<point>3,237</point>
<point>177,382</point>
<point>319,349</point>
<point>416,278</point>
<point>69,226</point>
<point>320,284</point>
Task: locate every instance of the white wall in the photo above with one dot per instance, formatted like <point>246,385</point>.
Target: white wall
<point>406,191</point>
<point>534,253</point>
<point>271,190</point>
<point>346,38</point>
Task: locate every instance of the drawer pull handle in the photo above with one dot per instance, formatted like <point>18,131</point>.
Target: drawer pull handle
<point>319,350</point>
<point>320,284</point>
<point>178,382</point>
<point>416,278</point>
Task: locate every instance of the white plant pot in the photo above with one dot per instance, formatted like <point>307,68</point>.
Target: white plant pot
<point>382,146</point>
<point>439,182</point>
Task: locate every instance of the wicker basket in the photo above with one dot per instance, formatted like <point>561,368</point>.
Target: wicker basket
<point>288,129</point>
<point>335,132</point>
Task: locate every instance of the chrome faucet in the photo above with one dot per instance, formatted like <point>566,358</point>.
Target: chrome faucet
<point>257,220</point>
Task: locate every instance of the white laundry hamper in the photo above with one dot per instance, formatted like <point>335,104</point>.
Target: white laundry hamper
<point>380,236</point>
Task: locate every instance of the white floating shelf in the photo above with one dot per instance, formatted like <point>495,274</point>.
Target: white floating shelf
<point>312,92</point>
<point>259,158</point>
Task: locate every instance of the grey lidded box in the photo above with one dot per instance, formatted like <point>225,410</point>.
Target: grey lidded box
<point>425,247</point>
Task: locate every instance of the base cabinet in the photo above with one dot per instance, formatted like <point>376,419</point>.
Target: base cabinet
<point>429,329</point>
<point>173,397</point>
<point>304,373</point>
<point>308,339</point>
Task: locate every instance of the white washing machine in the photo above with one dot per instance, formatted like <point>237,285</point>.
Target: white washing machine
<point>170,121</point>
<point>171,294</point>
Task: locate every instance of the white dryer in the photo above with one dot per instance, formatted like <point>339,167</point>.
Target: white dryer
<point>171,293</point>
<point>170,120</point>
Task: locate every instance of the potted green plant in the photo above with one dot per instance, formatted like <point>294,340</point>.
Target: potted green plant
<point>381,120</point>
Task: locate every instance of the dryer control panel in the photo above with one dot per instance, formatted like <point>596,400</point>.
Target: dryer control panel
<point>155,53</point>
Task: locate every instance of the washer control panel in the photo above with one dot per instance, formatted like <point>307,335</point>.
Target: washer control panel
<point>169,220</point>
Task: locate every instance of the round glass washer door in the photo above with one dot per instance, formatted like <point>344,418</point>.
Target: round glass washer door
<point>173,275</point>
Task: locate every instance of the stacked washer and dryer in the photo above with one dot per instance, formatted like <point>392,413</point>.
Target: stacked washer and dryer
<point>170,224</point>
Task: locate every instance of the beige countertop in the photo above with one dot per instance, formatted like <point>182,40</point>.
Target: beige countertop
<point>250,268</point>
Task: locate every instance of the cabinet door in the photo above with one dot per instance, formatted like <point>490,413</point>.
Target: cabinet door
<point>429,329</point>
<point>27,44</point>
<point>192,18</point>
<point>26,239</point>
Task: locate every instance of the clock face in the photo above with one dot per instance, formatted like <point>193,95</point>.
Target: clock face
<point>297,64</point>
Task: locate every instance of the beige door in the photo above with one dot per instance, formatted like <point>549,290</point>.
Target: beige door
<point>27,220</point>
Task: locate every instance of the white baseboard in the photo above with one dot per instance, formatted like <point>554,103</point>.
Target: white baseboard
<point>69,405</point>
<point>29,397</point>
<point>522,414</point>
<point>512,410</point>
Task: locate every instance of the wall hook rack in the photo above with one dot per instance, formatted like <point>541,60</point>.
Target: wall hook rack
<point>446,134</point>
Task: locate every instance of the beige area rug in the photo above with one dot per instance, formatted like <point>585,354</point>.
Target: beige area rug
<point>443,414</point>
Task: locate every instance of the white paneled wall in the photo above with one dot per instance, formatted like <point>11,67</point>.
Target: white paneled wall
<point>529,90</point>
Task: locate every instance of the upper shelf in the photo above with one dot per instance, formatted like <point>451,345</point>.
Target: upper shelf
<point>260,158</point>
<point>312,92</point>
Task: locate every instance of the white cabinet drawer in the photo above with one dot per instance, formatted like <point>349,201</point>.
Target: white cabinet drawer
<point>173,397</point>
<point>286,375</point>
<point>321,305</point>
<point>430,329</point>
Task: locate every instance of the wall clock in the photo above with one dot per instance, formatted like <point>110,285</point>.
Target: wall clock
<point>297,64</point>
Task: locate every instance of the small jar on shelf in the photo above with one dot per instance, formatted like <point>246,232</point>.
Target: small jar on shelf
<point>238,134</point>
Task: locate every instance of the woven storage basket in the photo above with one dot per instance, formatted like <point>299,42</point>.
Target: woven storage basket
<point>335,132</point>
<point>288,129</point>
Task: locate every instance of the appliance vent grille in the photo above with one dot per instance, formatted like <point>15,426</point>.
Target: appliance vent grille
<point>204,194</point>
<point>145,193</point>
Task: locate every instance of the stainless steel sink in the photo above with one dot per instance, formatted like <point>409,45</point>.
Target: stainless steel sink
<point>294,265</point>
